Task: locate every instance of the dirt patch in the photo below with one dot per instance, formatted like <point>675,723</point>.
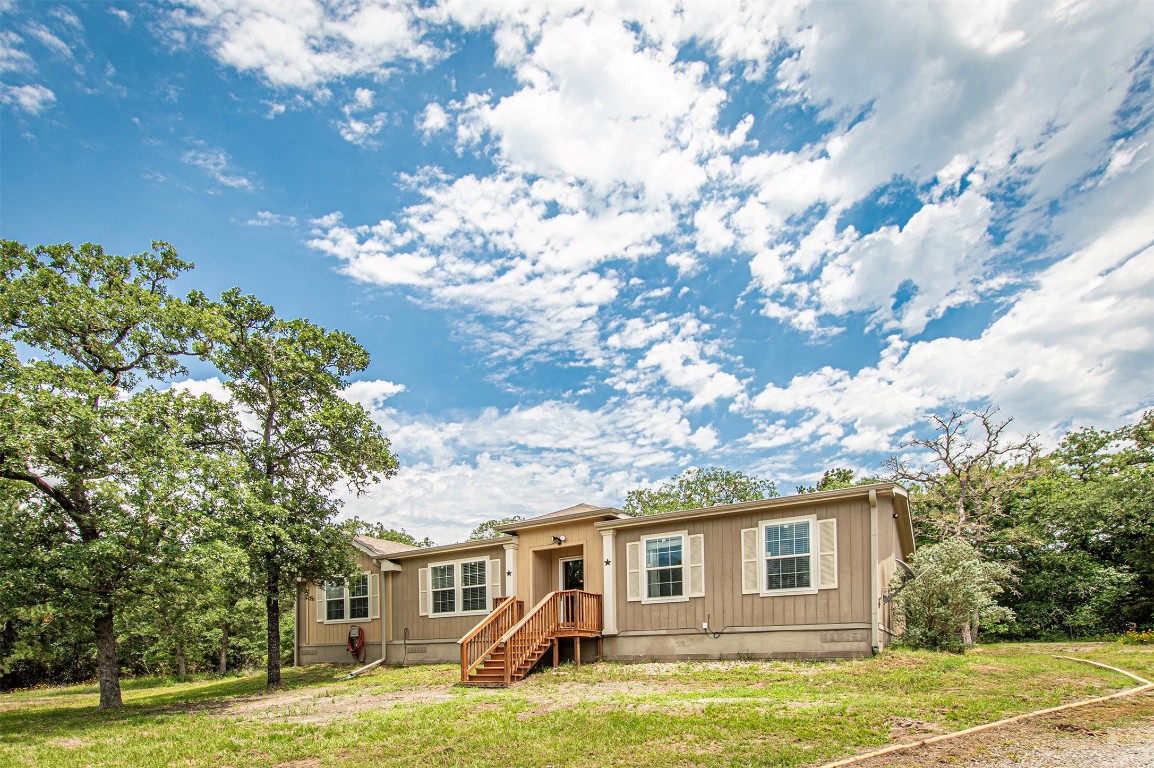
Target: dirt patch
<point>1114,733</point>
<point>305,707</point>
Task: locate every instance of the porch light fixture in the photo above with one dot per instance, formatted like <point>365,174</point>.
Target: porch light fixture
<point>558,540</point>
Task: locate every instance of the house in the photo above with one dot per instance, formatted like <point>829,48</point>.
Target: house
<point>794,576</point>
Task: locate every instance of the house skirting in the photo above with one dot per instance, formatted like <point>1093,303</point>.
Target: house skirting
<point>753,643</point>
<point>335,653</point>
<point>437,651</point>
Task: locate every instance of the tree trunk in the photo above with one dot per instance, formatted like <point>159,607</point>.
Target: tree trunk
<point>272,604</point>
<point>107,666</point>
<point>181,662</point>
<point>222,666</point>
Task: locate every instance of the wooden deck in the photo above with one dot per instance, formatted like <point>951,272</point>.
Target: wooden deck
<point>506,645</point>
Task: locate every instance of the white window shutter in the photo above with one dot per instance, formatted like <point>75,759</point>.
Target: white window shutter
<point>423,592</point>
<point>697,565</point>
<point>633,571</point>
<point>750,568</point>
<point>827,554</point>
<point>374,595</point>
<point>494,582</point>
<point>321,603</point>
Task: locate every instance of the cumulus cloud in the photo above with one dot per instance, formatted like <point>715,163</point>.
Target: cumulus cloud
<point>306,44</point>
<point>897,166</point>
<point>361,130</point>
<point>1075,348</point>
<point>32,99</point>
<point>433,119</point>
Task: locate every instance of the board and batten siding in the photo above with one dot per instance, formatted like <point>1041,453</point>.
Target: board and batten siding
<point>318,633</point>
<point>538,556</point>
<point>725,607</point>
<point>406,591</point>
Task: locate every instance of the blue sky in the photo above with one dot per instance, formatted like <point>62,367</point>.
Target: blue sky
<point>591,245</point>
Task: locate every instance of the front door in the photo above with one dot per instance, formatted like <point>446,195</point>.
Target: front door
<point>573,573</point>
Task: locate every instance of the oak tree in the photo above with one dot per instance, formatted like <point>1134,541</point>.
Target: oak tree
<point>83,337</point>
<point>297,439</point>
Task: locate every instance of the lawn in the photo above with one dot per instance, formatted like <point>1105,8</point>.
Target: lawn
<point>711,713</point>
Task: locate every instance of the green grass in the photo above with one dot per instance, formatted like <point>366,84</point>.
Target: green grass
<point>725,713</point>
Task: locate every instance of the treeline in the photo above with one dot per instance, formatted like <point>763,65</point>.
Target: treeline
<point>141,526</point>
<point>1071,532</point>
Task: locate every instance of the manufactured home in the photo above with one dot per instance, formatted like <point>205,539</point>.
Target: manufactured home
<point>800,576</point>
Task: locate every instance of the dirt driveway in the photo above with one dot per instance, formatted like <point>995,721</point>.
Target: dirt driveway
<point>1112,734</point>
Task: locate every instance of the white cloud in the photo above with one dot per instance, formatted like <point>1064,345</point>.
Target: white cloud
<point>124,16</point>
<point>32,99</point>
<point>270,219</point>
<point>433,119</point>
<point>598,107</point>
<point>12,58</point>
<point>306,44</point>
<point>356,130</point>
<point>217,164</point>
<point>49,40</point>
<point>941,255</point>
<point>1075,348</point>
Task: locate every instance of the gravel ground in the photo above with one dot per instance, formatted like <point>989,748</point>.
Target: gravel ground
<point>1114,734</point>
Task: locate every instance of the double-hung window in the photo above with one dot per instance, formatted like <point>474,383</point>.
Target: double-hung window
<point>474,575</point>
<point>346,600</point>
<point>444,587</point>
<point>789,556</point>
<point>457,588</point>
<point>665,567</point>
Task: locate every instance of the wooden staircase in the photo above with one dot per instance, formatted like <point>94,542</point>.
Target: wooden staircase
<point>506,645</point>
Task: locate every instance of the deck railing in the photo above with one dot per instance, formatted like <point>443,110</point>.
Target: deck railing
<point>570,610</point>
<point>484,638</point>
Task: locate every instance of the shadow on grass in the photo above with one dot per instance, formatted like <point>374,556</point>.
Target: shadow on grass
<point>37,721</point>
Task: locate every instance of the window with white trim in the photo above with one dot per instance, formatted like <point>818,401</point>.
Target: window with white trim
<point>663,566</point>
<point>788,560</point>
<point>790,556</point>
<point>474,575</point>
<point>458,588</point>
<point>443,583</point>
<point>347,600</point>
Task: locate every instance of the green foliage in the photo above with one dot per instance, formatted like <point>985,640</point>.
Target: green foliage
<point>488,529</point>
<point>837,477</point>
<point>113,466</point>
<point>1080,536</point>
<point>355,526</point>
<point>296,439</point>
<point>695,488</point>
<point>952,586</point>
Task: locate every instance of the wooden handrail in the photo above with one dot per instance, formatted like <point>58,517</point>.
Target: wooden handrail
<point>482,639</point>
<point>572,609</point>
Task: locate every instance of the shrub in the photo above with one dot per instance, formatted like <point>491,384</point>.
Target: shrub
<point>953,591</point>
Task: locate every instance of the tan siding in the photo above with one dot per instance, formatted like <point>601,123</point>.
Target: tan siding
<point>723,602</point>
<point>404,595</point>
<point>317,633</point>
<point>537,558</point>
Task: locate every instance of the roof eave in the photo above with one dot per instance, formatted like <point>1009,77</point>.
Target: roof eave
<point>463,546</point>
<point>757,505</point>
<point>532,522</point>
